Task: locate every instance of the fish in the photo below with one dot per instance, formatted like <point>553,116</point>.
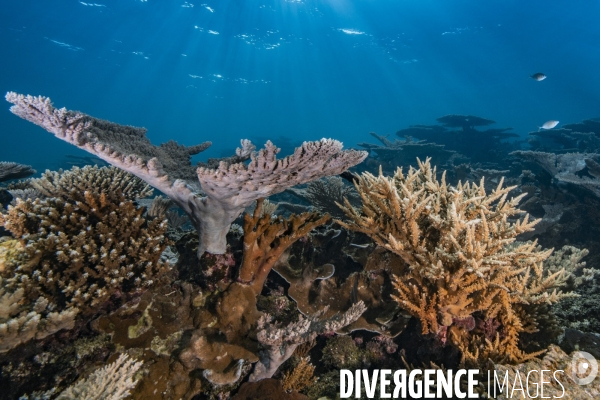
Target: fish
<point>548,125</point>
<point>538,76</point>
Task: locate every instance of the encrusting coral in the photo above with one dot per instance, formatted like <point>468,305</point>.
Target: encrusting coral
<point>465,277</point>
<point>80,246</point>
<point>228,189</point>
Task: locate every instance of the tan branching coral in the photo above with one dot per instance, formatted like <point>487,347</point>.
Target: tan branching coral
<point>82,246</point>
<point>228,189</point>
<point>301,377</point>
<point>112,382</point>
<point>266,238</point>
<point>22,320</point>
<point>72,184</point>
<point>80,254</point>
<point>463,267</point>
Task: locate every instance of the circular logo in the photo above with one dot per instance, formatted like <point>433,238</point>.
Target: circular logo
<point>583,365</point>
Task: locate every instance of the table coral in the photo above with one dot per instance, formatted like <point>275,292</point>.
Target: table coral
<point>228,189</point>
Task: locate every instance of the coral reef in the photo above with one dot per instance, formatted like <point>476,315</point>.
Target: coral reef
<point>324,193</point>
<point>463,269</point>
<point>267,389</point>
<point>300,378</point>
<point>401,153</point>
<point>570,138</point>
<point>12,170</point>
<point>228,189</point>
<point>22,320</point>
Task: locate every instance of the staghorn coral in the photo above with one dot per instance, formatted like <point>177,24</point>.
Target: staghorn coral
<point>228,189</point>
<point>84,245</point>
<point>12,170</point>
<point>462,265</point>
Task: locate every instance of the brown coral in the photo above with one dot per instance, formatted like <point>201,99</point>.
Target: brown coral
<point>266,238</point>
<point>462,261</point>
<point>76,250</point>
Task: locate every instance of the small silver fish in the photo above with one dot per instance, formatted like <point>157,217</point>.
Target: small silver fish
<point>548,125</point>
<point>538,76</point>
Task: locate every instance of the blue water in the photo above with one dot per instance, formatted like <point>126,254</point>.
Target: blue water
<point>294,70</point>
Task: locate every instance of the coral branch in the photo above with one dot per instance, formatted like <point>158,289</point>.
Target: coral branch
<point>279,343</point>
<point>266,238</point>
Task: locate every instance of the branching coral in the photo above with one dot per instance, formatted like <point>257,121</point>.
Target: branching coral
<point>463,265</point>
<point>228,189</point>
<point>301,377</point>
<point>22,320</point>
<point>265,240</point>
<point>78,249</point>
<point>112,382</point>
<point>278,343</point>
<point>236,318</point>
<point>71,185</point>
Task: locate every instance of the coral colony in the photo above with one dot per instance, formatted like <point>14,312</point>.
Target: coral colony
<point>412,282</point>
